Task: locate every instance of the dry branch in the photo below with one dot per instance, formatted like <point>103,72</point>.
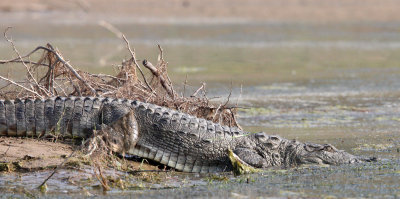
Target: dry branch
<point>156,73</point>
<point>72,69</point>
<point>135,62</point>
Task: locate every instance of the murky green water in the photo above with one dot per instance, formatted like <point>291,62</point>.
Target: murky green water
<point>324,83</point>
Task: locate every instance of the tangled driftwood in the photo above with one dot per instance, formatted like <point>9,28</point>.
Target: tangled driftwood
<point>52,75</point>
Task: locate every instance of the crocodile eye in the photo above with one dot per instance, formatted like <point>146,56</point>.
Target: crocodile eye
<point>275,138</point>
<point>261,136</point>
<point>310,147</point>
<point>329,148</point>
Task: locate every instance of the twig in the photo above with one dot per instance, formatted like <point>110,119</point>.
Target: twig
<point>156,73</point>
<point>105,75</point>
<point>205,93</point>
<point>184,86</point>
<point>216,112</point>
<point>66,159</point>
<point>234,119</point>
<point>229,96</point>
<point>21,59</point>
<point>23,87</point>
<point>65,93</point>
<point>5,153</point>
<point>27,55</point>
<point>161,53</point>
<point>111,28</point>
<point>240,95</point>
<point>17,52</point>
<point>61,59</point>
<point>135,62</point>
<point>120,35</point>
<point>58,166</point>
<point>101,178</point>
<point>149,171</point>
<point>198,90</point>
<point>164,65</point>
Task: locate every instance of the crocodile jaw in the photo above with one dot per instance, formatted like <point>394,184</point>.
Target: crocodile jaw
<point>326,154</point>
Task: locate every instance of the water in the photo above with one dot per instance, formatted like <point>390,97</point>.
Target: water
<point>326,83</point>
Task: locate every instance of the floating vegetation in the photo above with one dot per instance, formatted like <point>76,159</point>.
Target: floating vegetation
<point>216,177</point>
<point>77,162</point>
<point>5,167</point>
<point>43,188</point>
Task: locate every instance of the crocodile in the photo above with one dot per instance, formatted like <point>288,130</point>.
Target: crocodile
<point>175,139</point>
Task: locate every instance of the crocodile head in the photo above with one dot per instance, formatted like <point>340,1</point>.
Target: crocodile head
<point>277,151</point>
<point>309,153</point>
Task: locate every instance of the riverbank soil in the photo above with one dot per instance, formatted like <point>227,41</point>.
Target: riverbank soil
<point>32,154</point>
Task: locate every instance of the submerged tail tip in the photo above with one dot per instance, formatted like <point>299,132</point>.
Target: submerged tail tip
<point>368,159</point>
<point>371,159</point>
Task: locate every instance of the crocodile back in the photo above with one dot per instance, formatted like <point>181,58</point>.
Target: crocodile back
<point>182,141</point>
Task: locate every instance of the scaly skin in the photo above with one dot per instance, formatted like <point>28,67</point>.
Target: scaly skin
<point>172,138</point>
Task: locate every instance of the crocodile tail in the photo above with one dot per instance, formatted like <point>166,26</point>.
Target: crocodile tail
<point>59,116</point>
